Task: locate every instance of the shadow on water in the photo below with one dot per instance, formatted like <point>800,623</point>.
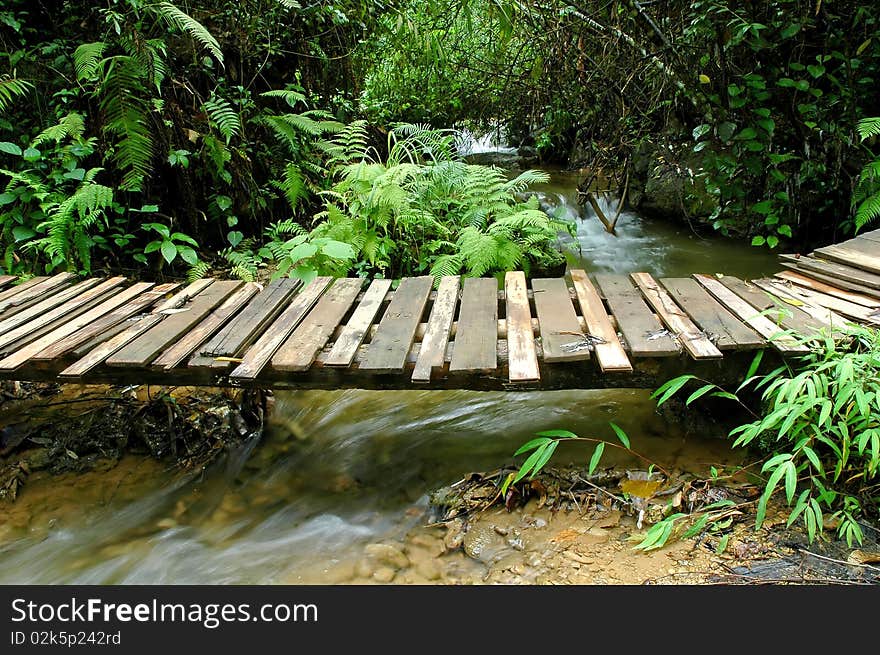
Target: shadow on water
<point>337,470</point>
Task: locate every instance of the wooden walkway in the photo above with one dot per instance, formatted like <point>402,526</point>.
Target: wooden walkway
<point>575,332</point>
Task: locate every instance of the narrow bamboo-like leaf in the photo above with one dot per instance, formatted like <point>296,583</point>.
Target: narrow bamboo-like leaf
<point>546,454</point>
<point>531,445</point>
<point>702,391</point>
<point>558,434</point>
<point>790,480</point>
<point>597,455</point>
<point>668,389</point>
<point>624,439</point>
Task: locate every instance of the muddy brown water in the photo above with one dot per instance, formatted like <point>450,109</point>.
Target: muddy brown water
<point>337,489</point>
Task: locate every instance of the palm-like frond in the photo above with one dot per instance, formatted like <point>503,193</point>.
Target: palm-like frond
<point>224,116</point>
<point>291,97</point>
<point>186,23</point>
<point>71,126</point>
<point>12,88</point>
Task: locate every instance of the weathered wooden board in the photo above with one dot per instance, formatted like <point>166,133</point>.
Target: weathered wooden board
<point>801,280</point>
<point>477,337</point>
<point>259,354</point>
<point>41,309</point>
<point>751,315</point>
<point>30,291</point>
<point>853,256</point>
<point>298,352</point>
<point>112,319</point>
<point>644,334</point>
<point>834,270</point>
<point>820,306</point>
<point>432,354</point>
<point>388,350</point>
<point>787,314</point>
<point>725,329</point>
<point>142,350</point>
<point>522,357</point>
<point>235,337</point>
<point>191,340</point>
<point>100,353</point>
<point>692,339</point>
<point>354,333</point>
<point>609,351</point>
<point>6,279</point>
<point>561,336</point>
<point>69,327</point>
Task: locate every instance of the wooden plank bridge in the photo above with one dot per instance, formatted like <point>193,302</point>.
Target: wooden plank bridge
<point>574,332</point>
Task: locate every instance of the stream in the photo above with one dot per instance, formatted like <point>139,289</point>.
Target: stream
<point>337,489</point>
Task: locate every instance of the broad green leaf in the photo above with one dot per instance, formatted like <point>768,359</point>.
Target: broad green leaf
<point>10,148</point>
<point>188,255</point>
<point>169,251</point>
<point>338,250</point>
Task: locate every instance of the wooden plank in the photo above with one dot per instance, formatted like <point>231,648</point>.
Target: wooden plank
<point>726,330</point>
<point>237,335</point>
<point>32,290</point>
<point>195,337</point>
<point>784,343</point>
<point>860,244</point>
<point>142,350</point>
<point>106,349</point>
<point>819,305</point>
<point>20,356</point>
<point>6,279</point>
<point>851,257</point>
<point>775,309</point>
<point>476,342</point>
<point>388,349</point>
<point>834,281</point>
<point>298,351</point>
<point>107,321</point>
<point>561,336</point>
<point>834,270</point>
<point>793,277</point>
<point>522,358</point>
<point>354,333</point>
<point>259,354</point>
<point>609,351</point>
<point>37,311</point>
<point>644,334</point>
<point>438,329</point>
<point>689,335</point>
<point>79,296</point>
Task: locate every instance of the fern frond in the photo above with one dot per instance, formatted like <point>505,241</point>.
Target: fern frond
<point>281,229</point>
<point>198,271</point>
<point>293,185</point>
<point>526,179</point>
<point>222,114</point>
<point>71,126</point>
<point>12,88</point>
<point>869,127</point>
<point>289,96</point>
<point>87,59</point>
<point>186,23</point>
<point>290,4</point>
<point>868,211</point>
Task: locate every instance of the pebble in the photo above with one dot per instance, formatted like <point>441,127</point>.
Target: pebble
<point>166,524</point>
<point>384,574</point>
<point>387,554</point>
<point>429,569</point>
<point>576,557</point>
<point>432,544</point>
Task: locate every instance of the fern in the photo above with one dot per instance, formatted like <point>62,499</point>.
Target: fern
<point>290,4</point>
<point>290,96</point>
<point>186,23</point>
<point>198,271</point>
<point>222,114</point>
<point>71,126</point>
<point>293,185</point>
<point>869,127</point>
<point>12,88</point>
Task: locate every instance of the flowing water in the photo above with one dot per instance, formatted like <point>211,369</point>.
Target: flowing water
<point>337,471</point>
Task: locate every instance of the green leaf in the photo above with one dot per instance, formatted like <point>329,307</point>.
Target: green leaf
<point>722,544</point>
<point>746,134</point>
<point>597,455</point>
<point>758,241</point>
<point>624,439</point>
<point>234,238</point>
<point>669,388</point>
<point>188,255</point>
<point>31,154</point>
<point>10,148</point>
<point>153,246</point>
<point>302,251</point>
<point>169,251</point>
<point>338,250</point>
<point>790,480</point>
<point>22,232</point>
<point>699,393</point>
<point>559,434</point>
<point>546,453</point>
<point>529,464</point>
<point>531,445</point>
